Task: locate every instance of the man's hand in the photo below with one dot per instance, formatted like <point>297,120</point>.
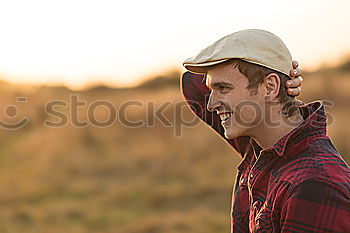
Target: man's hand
<point>294,85</point>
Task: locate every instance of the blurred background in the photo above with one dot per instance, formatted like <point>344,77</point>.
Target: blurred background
<point>114,178</point>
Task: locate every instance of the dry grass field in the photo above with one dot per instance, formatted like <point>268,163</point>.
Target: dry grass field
<point>119,179</point>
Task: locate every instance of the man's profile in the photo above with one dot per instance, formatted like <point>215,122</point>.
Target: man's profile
<point>291,178</point>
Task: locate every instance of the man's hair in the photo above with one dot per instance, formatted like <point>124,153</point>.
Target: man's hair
<point>255,74</point>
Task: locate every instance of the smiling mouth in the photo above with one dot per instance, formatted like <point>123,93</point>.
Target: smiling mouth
<point>224,117</point>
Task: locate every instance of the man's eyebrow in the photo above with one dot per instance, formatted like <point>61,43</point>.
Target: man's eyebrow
<point>217,84</point>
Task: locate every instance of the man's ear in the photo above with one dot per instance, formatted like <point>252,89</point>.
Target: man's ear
<point>272,87</point>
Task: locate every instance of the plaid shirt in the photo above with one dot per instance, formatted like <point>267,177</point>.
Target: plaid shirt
<point>300,184</point>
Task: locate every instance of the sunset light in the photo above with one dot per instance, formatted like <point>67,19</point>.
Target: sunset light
<point>79,42</point>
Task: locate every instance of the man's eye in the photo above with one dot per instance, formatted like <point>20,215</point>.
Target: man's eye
<point>223,89</point>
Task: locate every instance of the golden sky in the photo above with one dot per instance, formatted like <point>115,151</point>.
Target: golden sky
<point>76,42</point>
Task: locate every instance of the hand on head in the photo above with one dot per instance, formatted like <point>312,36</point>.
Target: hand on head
<point>294,85</point>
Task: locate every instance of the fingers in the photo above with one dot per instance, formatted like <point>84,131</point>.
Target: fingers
<point>294,91</point>
<point>295,64</point>
<point>295,72</point>
<point>295,82</point>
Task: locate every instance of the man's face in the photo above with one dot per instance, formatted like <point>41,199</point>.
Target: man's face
<point>239,110</point>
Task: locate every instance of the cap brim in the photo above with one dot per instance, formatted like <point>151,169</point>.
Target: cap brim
<point>202,68</point>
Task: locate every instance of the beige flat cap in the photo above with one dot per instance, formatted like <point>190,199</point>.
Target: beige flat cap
<point>252,45</point>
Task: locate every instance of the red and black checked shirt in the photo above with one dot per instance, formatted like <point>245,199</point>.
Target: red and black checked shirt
<point>300,184</point>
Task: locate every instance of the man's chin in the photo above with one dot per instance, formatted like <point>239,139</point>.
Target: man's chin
<point>230,135</point>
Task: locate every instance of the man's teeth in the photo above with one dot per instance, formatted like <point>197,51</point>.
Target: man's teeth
<point>225,116</point>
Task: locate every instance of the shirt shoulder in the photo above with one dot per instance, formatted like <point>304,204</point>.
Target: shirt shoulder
<point>320,161</point>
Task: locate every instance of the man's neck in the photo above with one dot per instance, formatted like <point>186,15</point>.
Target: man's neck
<point>267,135</point>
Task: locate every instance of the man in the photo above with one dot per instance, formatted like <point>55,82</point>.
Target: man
<point>291,178</point>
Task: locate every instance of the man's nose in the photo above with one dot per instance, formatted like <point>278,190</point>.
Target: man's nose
<point>213,102</point>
